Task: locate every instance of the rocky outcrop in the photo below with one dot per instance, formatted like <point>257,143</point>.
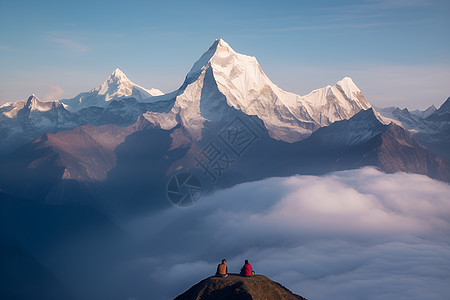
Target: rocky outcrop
<point>257,287</point>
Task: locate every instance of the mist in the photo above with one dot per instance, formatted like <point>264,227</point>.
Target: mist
<point>358,234</point>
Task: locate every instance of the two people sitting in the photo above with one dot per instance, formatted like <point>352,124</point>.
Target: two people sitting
<point>246,270</point>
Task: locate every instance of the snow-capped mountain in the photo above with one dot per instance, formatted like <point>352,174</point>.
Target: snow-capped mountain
<point>223,79</point>
<point>32,104</point>
<point>117,86</point>
<point>115,101</point>
<point>24,120</point>
<point>222,85</point>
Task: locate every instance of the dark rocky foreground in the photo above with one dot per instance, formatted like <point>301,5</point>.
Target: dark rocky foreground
<point>257,287</point>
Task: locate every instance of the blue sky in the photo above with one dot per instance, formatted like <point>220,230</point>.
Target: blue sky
<point>396,51</point>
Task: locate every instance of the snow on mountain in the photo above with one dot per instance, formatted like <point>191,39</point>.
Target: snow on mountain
<point>115,87</point>
<point>24,120</point>
<point>30,108</point>
<point>223,79</point>
<point>11,109</point>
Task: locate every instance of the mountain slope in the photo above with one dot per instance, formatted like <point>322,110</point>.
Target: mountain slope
<point>346,133</point>
<point>223,80</point>
<point>73,165</point>
<point>431,128</point>
<point>365,141</point>
<point>64,166</point>
<point>398,151</point>
<point>115,87</point>
<point>424,113</point>
<point>257,287</point>
<point>442,114</point>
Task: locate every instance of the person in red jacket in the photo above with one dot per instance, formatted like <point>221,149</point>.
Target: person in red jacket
<point>247,269</point>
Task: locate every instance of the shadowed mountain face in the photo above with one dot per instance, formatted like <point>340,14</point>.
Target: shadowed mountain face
<point>23,277</point>
<point>398,151</point>
<point>42,247</point>
<point>431,128</point>
<point>127,169</point>
<point>257,287</point>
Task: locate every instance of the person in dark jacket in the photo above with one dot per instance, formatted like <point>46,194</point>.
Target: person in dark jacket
<point>222,269</point>
<point>247,269</point>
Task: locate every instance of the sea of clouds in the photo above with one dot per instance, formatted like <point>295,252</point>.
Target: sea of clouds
<point>358,234</point>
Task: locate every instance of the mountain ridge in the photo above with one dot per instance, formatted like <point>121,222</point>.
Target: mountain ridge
<point>99,158</point>
<point>230,81</point>
<point>222,90</point>
<point>431,127</point>
<point>235,81</point>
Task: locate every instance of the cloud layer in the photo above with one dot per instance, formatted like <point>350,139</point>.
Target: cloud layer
<point>358,234</point>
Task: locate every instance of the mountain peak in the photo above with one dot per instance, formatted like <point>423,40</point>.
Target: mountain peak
<point>116,86</point>
<point>236,80</point>
<point>234,286</point>
<point>348,86</point>
<point>219,43</point>
<point>346,81</point>
<point>34,104</point>
<point>218,48</point>
<point>32,96</point>
<point>32,101</point>
<point>117,76</point>
<point>445,106</point>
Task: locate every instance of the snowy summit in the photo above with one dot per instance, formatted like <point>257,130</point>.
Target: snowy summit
<point>117,86</point>
<point>237,81</point>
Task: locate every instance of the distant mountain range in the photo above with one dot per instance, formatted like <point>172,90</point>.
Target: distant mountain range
<point>431,127</point>
<point>227,124</point>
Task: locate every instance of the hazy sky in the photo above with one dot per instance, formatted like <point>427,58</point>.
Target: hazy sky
<point>396,51</point>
